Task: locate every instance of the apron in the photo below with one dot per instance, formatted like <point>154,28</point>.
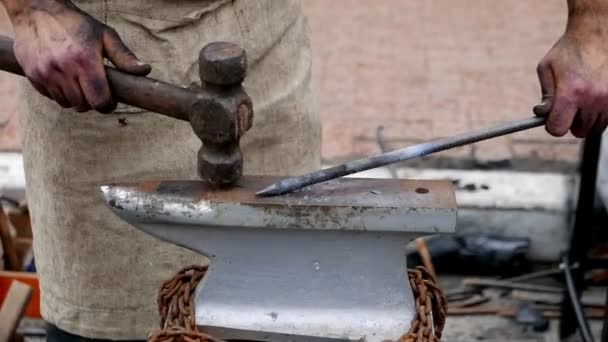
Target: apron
<point>99,276</point>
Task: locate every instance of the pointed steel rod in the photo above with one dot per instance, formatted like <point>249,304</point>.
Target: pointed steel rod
<point>416,151</point>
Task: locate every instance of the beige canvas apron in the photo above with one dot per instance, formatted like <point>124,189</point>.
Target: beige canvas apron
<point>99,277</point>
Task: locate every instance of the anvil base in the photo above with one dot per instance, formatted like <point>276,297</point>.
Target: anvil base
<point>324,264</point>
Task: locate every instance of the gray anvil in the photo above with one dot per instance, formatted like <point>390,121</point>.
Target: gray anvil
<point>327,263</point>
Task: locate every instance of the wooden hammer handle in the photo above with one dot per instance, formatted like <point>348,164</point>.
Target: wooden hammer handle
<point>137,91</point>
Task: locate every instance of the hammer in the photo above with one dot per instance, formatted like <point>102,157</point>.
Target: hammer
<point>220,112</point>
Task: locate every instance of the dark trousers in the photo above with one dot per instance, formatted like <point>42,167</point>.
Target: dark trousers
<point>54,334</point>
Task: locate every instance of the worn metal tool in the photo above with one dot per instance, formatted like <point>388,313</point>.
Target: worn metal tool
<point>322,264</point>
<point>416,151</point>
<point>220,112</point>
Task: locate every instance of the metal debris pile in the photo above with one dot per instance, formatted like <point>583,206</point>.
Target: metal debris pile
<point>531,299</point>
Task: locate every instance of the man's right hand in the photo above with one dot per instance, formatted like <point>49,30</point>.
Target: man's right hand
<point>61,50</point>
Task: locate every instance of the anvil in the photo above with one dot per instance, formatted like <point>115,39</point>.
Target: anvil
<point>326,263</point>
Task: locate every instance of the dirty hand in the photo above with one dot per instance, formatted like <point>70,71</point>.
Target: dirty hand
<point>61,50</point>
<point>574,74</point>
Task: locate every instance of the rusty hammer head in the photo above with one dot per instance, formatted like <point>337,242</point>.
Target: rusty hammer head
<point>222,117</point>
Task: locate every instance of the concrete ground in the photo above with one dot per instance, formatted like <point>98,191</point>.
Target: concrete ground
<point>499,329</point>
<point>465,329</point>
<point>457,329</point>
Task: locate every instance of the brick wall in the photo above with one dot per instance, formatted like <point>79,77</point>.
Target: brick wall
<point>421,69</point>
<point>425,69</point>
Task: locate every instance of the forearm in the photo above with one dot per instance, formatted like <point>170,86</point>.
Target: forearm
<point>584,7</point>
<point>587,20</point>
<point>587,15</point>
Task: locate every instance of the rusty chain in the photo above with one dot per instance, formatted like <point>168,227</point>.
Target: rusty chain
<point>176,309</point>
<point>177,319</point>
<point>431,308</point>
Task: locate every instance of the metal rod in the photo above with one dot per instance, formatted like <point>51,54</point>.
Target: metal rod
<point>604,337</point>
<point>575,302</point>
<point>478,282</point>
<point>581,238</point>
<point>416,151</point>
<point>535,275</point>
<point>7,57</point>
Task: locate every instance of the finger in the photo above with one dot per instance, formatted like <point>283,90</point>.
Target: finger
<point>96,89</point>
<point>42,90</point>
<point>74,94</point>
<point>587,115</point>
<point>547,87</point>
<point>582,123</point>
<point>546,77</point>
<point>38,82</point>
<point>562,114</point>
<point>59,84</point>
<point>600,124</point>
<point>57,95</point>
<point>121,56</point>
<point>544,107</point>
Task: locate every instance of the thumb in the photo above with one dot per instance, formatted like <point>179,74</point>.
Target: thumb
<point>121,56</point>
<point>547,86</point>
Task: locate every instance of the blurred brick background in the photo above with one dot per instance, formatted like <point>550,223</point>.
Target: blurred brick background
<point>421,69</point>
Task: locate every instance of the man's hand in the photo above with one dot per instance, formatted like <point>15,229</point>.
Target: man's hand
<point>574,74</point>
<point>61,50</point>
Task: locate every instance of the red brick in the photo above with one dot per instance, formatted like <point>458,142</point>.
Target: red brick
<point>494,149</point>
<point>547,151</point>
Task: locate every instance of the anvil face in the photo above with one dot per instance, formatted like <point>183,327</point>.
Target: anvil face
<point>326,263</point>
